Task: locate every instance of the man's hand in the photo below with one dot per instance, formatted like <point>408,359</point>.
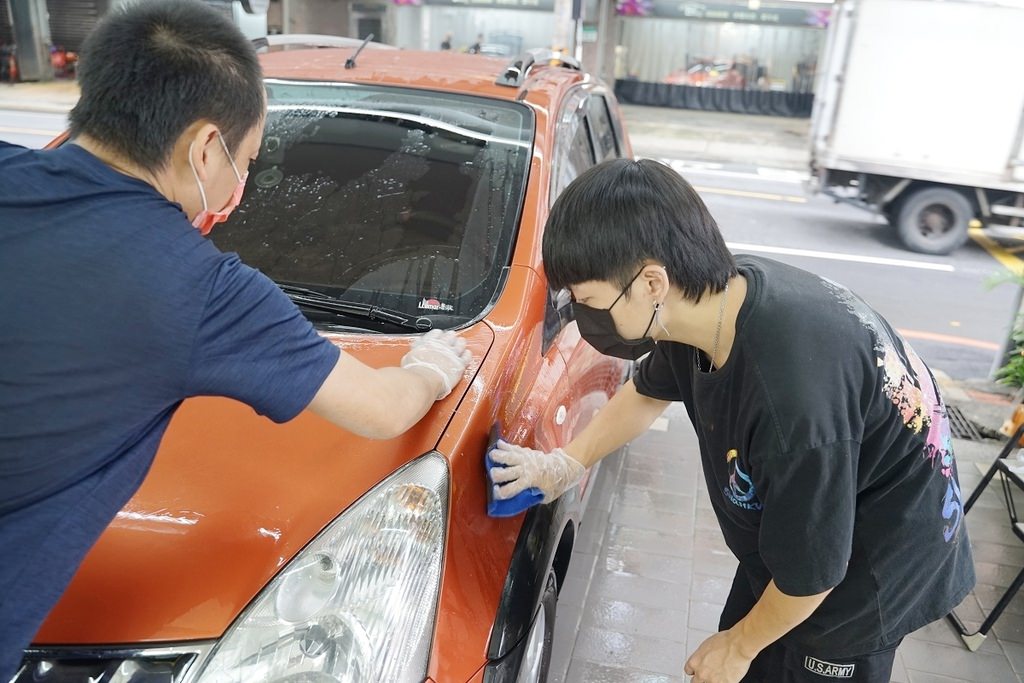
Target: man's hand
<point>719,659</point>
<point>553,473</point>
<point>442,355</point>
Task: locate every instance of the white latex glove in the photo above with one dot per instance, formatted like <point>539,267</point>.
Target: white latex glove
<point>553,473</point>
<point>443,353</point>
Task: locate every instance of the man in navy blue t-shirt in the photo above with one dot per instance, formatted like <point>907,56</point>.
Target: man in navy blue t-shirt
<point>115,308</point>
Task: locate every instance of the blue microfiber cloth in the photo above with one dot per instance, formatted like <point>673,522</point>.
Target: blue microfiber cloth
<point>509,507</point>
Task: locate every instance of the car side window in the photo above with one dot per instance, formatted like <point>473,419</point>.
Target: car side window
<point>581,152</point>
<point>574,154</point>
<point>557,314</point>
<point>574,147</point>
<point>607,145</point>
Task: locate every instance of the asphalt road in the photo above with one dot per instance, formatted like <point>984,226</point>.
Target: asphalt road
<point>943,305</point>
<point>30,128</point>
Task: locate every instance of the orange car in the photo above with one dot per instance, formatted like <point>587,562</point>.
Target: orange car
<point>707,75</point>
<point>405,193</point>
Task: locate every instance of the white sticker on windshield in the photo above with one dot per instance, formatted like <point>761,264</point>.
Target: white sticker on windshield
<point>434,305</point>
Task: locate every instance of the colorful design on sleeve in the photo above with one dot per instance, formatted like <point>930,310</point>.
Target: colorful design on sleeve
<point>909,385</point>
<point>740,491</point>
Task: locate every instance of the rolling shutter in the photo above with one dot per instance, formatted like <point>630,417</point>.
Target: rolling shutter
<point>72,20</point>
<point>6,30</point>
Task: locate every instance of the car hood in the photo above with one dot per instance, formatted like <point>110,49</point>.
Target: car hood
<point>230,499</point>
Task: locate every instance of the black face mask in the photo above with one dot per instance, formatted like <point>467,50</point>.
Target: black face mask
<point>597,327</point>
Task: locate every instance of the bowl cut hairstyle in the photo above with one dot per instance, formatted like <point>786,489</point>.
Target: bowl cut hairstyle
<point>622,213</point>
<point>151,69</point>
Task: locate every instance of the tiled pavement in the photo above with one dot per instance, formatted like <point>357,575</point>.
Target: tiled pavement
<point>651,572</point>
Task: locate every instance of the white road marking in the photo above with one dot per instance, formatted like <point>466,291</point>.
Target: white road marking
<point>28,131</point>
<point>660,425</point>
<point>775,175</point>
<point>783,175</point>
<point>834,256</point>
<point>752,195</point>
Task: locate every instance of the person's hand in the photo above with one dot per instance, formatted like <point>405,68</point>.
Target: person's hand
<point>718,660</point>
<point>443,354</point>
<point>553,473</point>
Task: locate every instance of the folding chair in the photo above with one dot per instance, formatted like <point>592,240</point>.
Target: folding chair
<point>1007,478</point>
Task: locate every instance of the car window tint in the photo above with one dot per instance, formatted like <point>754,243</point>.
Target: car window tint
<point>574,149</point>
<point>574,154</point>
<point>397,198</point>
<point>581,153</point>
<point>557,314</point>
<point>601,125</point>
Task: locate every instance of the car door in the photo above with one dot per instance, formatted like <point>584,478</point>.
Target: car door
<point>586,135</point>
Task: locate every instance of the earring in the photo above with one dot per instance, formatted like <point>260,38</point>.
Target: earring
<point>657,317</point>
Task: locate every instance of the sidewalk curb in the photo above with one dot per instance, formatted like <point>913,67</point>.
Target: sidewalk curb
<point>952,392</point>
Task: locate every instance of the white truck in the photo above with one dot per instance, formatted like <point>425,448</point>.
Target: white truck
<point>919,116</point>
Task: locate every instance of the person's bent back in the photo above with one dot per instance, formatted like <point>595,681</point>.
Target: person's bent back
<point>116,308</point>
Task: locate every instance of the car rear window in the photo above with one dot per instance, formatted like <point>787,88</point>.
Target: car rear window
<point>390,197</point>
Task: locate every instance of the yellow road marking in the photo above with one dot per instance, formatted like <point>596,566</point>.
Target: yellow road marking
<point>28,131</point>
<point>1009,261</point>
<point>950,339</point>
<point>753,195</point>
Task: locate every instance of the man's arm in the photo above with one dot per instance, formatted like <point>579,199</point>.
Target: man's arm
<point>628,415</point>
<point>381,403</point>
<point>726,656</point>
<point>625,417</point>
<point>775,615</point>
<point>378,403</point>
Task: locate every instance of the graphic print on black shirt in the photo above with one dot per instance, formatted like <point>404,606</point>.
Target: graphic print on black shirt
<point>828,460</point>
<point>740,491</point>
<point>917,402</point>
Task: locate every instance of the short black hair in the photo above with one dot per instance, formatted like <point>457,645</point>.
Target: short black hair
<point>621,213</point>
<point>151,69</point>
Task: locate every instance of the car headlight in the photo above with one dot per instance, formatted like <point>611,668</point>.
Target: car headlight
<point>357,604</point>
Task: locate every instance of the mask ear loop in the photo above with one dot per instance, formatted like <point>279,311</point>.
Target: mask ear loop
<point>202,192</point>
<point>238,176</point>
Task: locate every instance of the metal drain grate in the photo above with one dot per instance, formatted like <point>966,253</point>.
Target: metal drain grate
<point>960,426</point>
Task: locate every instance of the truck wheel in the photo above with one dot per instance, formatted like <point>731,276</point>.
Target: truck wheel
<point>934,220</point>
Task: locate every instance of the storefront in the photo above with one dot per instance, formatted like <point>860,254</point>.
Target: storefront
<point>722,57</point>
<point>501,27</point>
<point>50,32</point>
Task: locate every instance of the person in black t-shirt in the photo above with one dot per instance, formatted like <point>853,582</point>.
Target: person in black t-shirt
<point>823,437</point>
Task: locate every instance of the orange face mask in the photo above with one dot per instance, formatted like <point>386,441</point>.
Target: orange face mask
<point>206,219</point>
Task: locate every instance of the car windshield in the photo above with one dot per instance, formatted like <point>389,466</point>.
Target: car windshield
<point>387,197</point>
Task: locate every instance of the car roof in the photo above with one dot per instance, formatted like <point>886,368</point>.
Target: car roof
<point>444,71</point>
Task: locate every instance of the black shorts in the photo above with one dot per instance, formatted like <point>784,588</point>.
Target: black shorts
<point>780,663</point>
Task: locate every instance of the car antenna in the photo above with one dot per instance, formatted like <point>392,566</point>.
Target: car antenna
<point>350,63</point>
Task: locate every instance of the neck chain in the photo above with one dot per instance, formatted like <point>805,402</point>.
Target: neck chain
<point>718,332</point>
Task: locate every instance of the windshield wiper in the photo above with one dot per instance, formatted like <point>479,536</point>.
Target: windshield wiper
<point>313,299</point>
